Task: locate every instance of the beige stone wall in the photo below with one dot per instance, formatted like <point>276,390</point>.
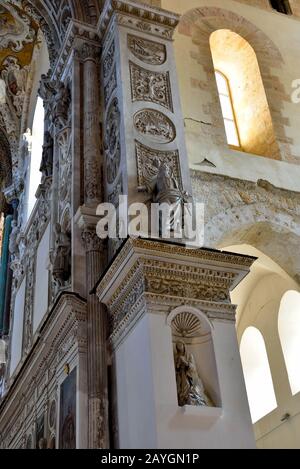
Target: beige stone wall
<point>275,39</point>
<point>237,211</point>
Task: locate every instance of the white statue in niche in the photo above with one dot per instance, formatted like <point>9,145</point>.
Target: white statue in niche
<point>190,388</point>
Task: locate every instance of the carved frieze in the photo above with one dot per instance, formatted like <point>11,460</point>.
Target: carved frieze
<point>155,125</point>
<point>147,51</point>
<point>112,141</point>
<point>149,162</point>
<point>150,86</point>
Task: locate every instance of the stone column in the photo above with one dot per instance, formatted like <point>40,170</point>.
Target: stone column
<point>98,433</point>
<point>90,55</point>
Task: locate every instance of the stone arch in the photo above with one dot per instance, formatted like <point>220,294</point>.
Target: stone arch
<point>272,230</point>
<point>200,23</point>
<point>50,15</point>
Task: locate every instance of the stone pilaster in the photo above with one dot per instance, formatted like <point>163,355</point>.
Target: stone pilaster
<point>98,433</point>
<point>142,121</point>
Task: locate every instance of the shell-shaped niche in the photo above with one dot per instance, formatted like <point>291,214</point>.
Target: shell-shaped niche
<point>187,325</point>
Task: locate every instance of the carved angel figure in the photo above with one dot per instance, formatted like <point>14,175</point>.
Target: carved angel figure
<point>61,104</point>
<point>189,384</point>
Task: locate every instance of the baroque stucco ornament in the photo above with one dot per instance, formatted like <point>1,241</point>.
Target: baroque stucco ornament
<point>15,29</point>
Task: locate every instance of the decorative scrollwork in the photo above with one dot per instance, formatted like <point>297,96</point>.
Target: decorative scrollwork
<point>150,86</point>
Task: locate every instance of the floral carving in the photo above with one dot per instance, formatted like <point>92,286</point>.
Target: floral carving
<point>147,51</point>
<point>150,86</point>
<point>108,61</point>
<point>112,141</point>
<point>110,87</point>
<point>155,125</point>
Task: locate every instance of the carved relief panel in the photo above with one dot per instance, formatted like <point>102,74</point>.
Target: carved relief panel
<point>150,86</point>
<point>147,51</point>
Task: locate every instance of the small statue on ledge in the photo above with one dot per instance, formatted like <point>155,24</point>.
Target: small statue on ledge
<point>189,384</point>
<point>47,157</point>
<point>61,267</point>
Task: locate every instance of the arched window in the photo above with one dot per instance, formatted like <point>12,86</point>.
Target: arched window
<point>289,333</point>
<point>227,110</point>
<point>257,373</point>
<point>282,6</point>
<point>247,118</point>
<point>36,153</point>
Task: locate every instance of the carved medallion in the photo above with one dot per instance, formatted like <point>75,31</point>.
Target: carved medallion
<point>147,51</point>
<point>149,162</point>
<point>150,86</point>
<point>112,141</point>
<point>155,125</point>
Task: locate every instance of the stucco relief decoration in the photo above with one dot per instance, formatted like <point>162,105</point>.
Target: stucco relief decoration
<point>154,125</point>
<point>15,29</point>
<point>150,86</point>
<point>15,78</point>
<point>149,162</point>
<point>112,141</point>
<point>150,52</point>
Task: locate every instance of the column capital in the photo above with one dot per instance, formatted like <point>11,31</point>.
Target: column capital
<point>87,220</point>
<point>139,16</point>
<point>88,51</point>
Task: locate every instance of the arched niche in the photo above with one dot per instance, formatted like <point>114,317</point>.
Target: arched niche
<point>289,333</point>
<point>192,328</point>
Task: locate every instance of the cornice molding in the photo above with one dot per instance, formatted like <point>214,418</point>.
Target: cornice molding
<point>138,15</point>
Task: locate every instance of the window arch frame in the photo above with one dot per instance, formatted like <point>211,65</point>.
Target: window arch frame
<point>234,120</point>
